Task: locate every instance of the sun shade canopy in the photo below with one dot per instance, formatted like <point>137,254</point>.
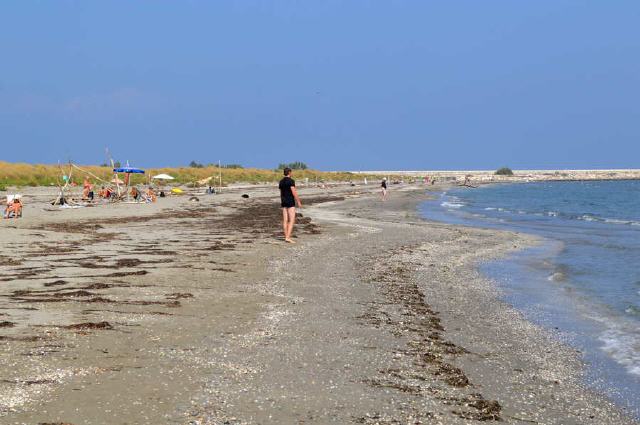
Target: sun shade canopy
<point>163,177</point>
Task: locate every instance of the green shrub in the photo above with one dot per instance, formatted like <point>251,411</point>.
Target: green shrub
<point>504,171</point>
<point>298,165</point>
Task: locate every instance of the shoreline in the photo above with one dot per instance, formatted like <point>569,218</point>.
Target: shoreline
<point>375,316</point>
<point>569,357</point>
<point>535,282</point>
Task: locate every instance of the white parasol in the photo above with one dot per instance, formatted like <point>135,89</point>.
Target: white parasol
<point>163,177</point>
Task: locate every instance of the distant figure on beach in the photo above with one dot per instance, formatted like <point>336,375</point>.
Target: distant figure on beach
<point>104,193</point>
<point>288,201</point>
<point>87,191</point>
<point>151,195</point>
<point>14,208</point>
<point>384,189</point>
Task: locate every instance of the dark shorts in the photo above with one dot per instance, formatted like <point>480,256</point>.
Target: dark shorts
<point>287,203</point>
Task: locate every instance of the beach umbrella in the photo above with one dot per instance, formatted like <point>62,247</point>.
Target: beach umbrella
<point>163,177</point>
<point>128,170</point>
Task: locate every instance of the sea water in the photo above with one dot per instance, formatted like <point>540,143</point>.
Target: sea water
<point>583,281</point>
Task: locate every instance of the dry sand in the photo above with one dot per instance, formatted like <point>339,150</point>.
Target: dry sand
<point>198,313</point>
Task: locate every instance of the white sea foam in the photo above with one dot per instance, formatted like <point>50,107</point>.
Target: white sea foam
<point>557,277</point>
<point>633,310</point>
<point>623,347</point>
<point>616,221</point>
<point>456,205</point>
<point>587,217</point>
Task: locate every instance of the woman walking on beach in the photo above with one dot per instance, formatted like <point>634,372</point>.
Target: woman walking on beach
<point>288,201</point>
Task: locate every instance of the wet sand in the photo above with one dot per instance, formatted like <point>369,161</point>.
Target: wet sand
<point>198,313</point>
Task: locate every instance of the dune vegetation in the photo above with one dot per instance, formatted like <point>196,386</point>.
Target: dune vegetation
<point>21,174</point>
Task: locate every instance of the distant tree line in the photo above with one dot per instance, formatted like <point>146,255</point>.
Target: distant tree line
<point>194,164</point>
<point>293,165</point>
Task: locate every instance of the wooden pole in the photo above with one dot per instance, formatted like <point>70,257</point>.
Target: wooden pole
<point>115,178</point>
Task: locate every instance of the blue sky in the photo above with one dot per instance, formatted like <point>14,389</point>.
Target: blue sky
<point>337,84</point>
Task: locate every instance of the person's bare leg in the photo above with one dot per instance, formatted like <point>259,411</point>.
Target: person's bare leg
<point>291,220</point>
<point>285,226</point>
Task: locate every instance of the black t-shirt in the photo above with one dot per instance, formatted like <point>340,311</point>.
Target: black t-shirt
<point>286,195</point>
<point>384,184</point>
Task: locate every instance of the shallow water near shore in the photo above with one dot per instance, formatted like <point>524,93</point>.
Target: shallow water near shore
<point>583,282</point>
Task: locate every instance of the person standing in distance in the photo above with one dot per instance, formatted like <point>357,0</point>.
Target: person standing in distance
<point>288,200</point>
<point>383,186</point>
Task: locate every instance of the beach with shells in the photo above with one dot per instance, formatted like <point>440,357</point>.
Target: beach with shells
<point>184,312</point>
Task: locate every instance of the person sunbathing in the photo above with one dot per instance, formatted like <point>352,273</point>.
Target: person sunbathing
<point>14,209</point>
<point>151,195</point>
<point>105,193</point>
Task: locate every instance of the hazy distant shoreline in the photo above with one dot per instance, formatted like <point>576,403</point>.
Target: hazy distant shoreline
<point>482,176</point>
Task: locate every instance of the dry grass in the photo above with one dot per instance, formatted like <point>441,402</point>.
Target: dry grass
<point>20,174</point>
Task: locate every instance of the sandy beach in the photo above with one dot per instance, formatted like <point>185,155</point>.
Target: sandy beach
<point>186,312</point>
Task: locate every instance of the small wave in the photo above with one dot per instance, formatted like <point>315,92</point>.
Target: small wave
<point>552,213</point>
<point>587,217</point>
<point>447,204</point>
<point>616,221</point>
<point>624,348</point>
<point>625,222</point>
<point>490,209</point>
<point>557,277</point>
<point>633,310</point>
